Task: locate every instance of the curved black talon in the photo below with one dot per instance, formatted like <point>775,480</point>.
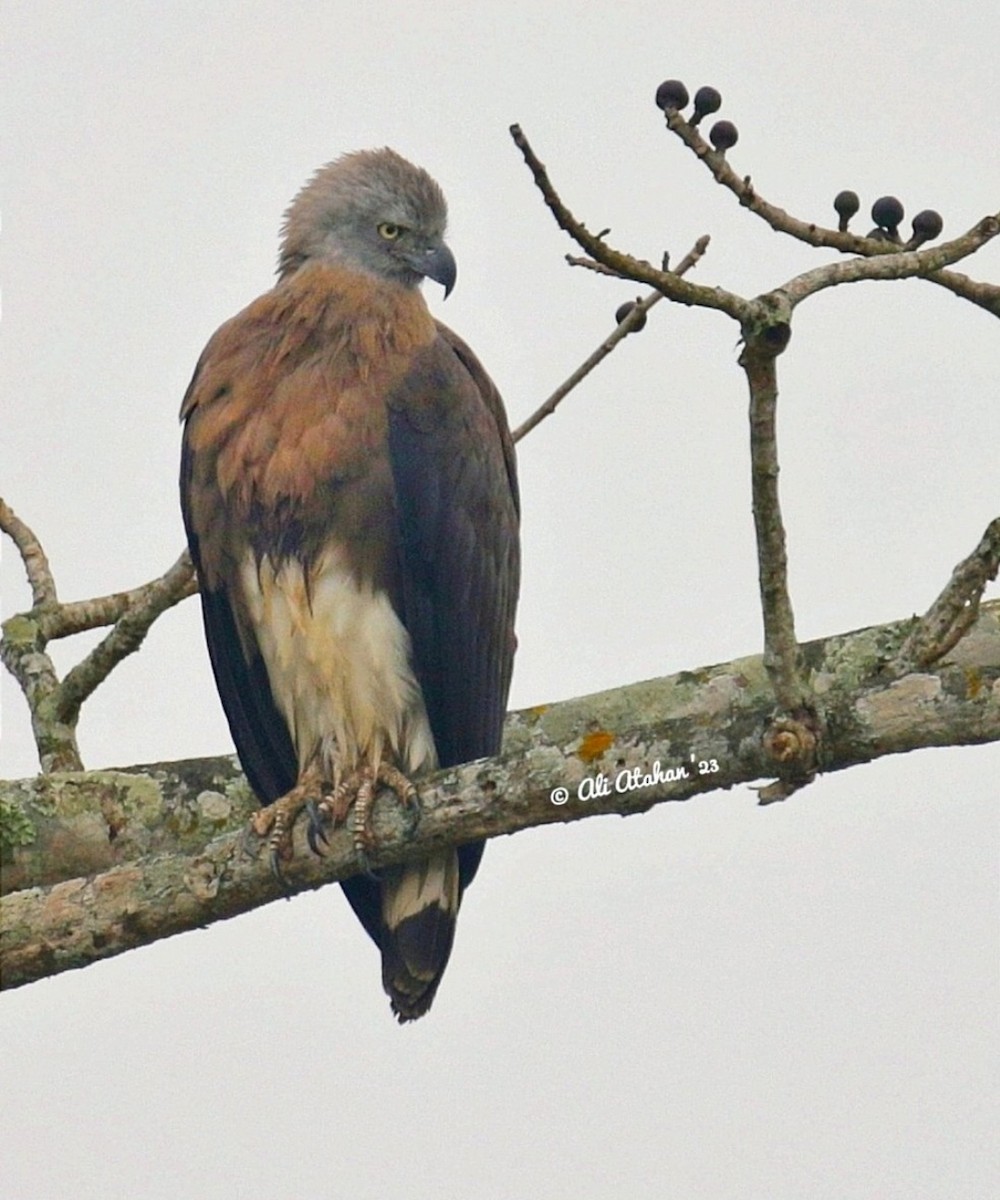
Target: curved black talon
<point>276,871</point>
<point>365,863</point>
<point>316,832</point>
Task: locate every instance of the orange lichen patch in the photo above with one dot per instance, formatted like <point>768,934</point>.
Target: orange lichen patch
<point>594,744</point>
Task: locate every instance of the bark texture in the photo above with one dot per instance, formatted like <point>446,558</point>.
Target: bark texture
<point>99,862</point>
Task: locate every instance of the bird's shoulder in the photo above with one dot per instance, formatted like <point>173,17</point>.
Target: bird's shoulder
<point>447,398</point>
<point>447,388</point>
<point>291,390</point>
<point>346,326</point>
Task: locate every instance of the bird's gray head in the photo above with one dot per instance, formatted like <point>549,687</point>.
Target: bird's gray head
<point>373,211</point>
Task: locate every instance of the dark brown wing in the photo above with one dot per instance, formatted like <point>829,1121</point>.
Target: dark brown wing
<point>457,511</point>
<point>456,592</point>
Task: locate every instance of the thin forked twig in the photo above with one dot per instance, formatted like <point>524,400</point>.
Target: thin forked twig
<point>54,704</point>
<point>630,322</point>
<point>140,609</point>
<point>765,326</point>
<point>668,282</point>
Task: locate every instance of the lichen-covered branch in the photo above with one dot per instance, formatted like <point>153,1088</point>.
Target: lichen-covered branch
<point>140,609</point>
<point>54,704</point>
<point>22,651</point>
<point>165,849</point>
<point>956,609</point>
<point>76,616</point>
<point>36,564</point>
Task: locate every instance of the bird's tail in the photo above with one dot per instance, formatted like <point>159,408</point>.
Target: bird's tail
<point>419,906</point>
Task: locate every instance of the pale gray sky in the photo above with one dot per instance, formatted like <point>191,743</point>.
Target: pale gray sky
<point>710,1000</point>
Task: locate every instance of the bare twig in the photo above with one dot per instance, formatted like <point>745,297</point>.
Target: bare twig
<point>956,610</point>
<point>79,615</point>
<point>588,264</point>
<point>903,264</point>
<point>778,219</point>
<point>36,564</point>
<point>691,259</point>
<point>667,282</point>
<point>144,605</point>
<point>985,295</point>
<point>629,322</point>
<point>54,704</point>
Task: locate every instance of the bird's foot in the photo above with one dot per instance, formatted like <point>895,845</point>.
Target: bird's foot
<point>277,820</point>
<point>327,813</point>
<point>359,790</point>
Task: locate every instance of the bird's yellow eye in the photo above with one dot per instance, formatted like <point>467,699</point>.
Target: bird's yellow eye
<point>389,231</point>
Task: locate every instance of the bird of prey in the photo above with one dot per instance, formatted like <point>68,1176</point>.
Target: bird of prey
<point>350,499</point>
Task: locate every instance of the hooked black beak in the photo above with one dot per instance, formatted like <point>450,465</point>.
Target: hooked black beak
<point>437,263</point>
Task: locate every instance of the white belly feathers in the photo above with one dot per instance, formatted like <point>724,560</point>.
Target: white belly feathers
<point>338,660</point>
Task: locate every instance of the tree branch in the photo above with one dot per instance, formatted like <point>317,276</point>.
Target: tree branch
<point>54,704</point>
<point>781,650</point>
<point>633,320</point>
<point>137,610</point>
<point>985,295</point>
<point>166,848</point>
<point>901,264</point>
<point>667,282</point>
<point>956,609</point>
<point>796,729</point>
<point>36,564</point>
<point>177,583</point>
<point>793,734</point>
<point>22,651</point>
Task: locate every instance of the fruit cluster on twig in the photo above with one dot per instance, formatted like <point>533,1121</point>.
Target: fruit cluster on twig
<point>887,213</point>
<point>672,96</point>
